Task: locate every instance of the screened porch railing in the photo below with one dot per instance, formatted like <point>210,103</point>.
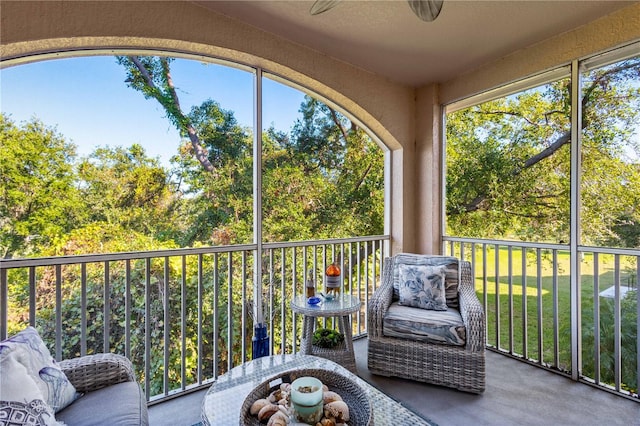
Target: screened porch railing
<point>525,289</point>
<point>182,316</point>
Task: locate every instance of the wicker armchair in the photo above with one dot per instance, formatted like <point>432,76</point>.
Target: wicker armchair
<point>92,372</point>
<point>111,394</point>
<point>460,367</point>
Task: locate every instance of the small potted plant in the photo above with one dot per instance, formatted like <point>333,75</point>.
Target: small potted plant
<point>327,338</point>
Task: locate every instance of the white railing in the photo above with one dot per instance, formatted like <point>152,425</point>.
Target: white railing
<point>182,316</point>
<point>526,289</point>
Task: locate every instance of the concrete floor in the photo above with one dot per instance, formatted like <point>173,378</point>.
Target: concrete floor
<point>516,394</point>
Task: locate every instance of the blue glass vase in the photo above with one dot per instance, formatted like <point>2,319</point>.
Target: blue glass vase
<point>260,341</point>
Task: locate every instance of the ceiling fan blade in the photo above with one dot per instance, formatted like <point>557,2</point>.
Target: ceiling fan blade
<point>321,6</point>
<point>427,10</point>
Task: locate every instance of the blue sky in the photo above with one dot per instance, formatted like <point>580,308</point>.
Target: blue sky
<point>89,103</point>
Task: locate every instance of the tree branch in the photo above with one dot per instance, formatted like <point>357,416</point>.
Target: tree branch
<point>362,178</point>
<point>337,122</point>
<point>566,136</point>
<point>170,86</point>
<point>547,152</point>
<point>529,216</point>
<point>183,122</point>
<point>509,113</point>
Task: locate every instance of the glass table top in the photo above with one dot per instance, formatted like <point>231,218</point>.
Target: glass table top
<point>223,401</point>
<point>343,304</point>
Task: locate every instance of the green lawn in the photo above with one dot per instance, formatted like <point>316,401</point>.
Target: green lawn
<point>542,307</point>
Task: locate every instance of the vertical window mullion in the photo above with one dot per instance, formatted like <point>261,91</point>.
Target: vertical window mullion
<point>257,196</point>
<point>576,136</point>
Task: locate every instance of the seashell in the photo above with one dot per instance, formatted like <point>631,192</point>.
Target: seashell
<point>338,410</point>
<point>267,411</point>
<point>257,406</point>
<point>285,387</point>
<point>326,422</point>
<point>330,396</point>
<point>275,396</point>
<point>278,419</point>
<point>325,388</point>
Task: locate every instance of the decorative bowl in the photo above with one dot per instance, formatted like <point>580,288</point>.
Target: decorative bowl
<point>314,300</point>
<point>360,408</point>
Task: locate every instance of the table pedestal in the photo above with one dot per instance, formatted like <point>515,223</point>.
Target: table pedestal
<point>342,354</point>
<point>340,308</point>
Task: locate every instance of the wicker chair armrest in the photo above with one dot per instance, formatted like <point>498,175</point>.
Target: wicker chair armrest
<point>93,372</point>
<point>380,301</point>
<point>471,310</point>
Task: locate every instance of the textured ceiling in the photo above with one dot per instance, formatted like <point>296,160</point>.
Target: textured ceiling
<point>386,38</point>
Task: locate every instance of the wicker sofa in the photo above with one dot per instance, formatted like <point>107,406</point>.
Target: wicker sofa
<point>111,394</point>
<point>459,367</point>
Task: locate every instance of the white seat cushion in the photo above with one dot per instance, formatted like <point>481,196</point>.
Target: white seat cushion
<point>423,325</point>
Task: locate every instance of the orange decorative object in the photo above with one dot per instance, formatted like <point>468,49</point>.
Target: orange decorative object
<point>332,280</point>
<point>333,270</point>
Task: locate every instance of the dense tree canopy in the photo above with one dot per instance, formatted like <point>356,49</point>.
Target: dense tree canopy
<point>39,200</point>
<point>324,179</point>
<point>509,169</point>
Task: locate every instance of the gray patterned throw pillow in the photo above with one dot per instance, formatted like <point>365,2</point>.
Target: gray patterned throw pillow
<point>422,286</point>
<point>451,278</point>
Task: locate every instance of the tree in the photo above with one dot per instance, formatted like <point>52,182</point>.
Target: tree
<point>218,182</point>
<point>217,207</point>
<point>508,160</point>
<point>351,202</point>
<point>125,187</point>
<point>324,181</point>
<point>39,201</point>
<point>151,75</point>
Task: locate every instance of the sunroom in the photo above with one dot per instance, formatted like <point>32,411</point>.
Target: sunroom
<point>426,94</point>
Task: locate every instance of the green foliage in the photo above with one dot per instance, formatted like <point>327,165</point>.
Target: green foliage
<point>216,206</point>
<point>491,191</point>
<point>124,186</point>
<point>336,175</point>
<point>39,199</point>
<point>508,162</point>
<point>628,341</point>
<point>327,338</point>
<point>154,83</point>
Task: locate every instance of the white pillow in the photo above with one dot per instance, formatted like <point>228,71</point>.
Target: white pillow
<point>21,401</point>
<point>29,350</point>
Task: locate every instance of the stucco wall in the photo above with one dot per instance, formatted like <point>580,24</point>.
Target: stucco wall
<point>616,29</point>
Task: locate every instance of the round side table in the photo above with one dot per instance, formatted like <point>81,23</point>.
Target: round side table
<point>341,307</point>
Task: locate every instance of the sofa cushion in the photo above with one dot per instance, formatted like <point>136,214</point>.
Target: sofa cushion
<point>21,400</point>
<point>121,404</point>
<point>423,325</point>
<point>452,273</point>
<point>29,350</point>
<point>422,286</point>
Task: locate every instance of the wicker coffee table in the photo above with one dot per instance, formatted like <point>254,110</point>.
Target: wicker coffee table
<point>341,307</point>
<point>223,402</point>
